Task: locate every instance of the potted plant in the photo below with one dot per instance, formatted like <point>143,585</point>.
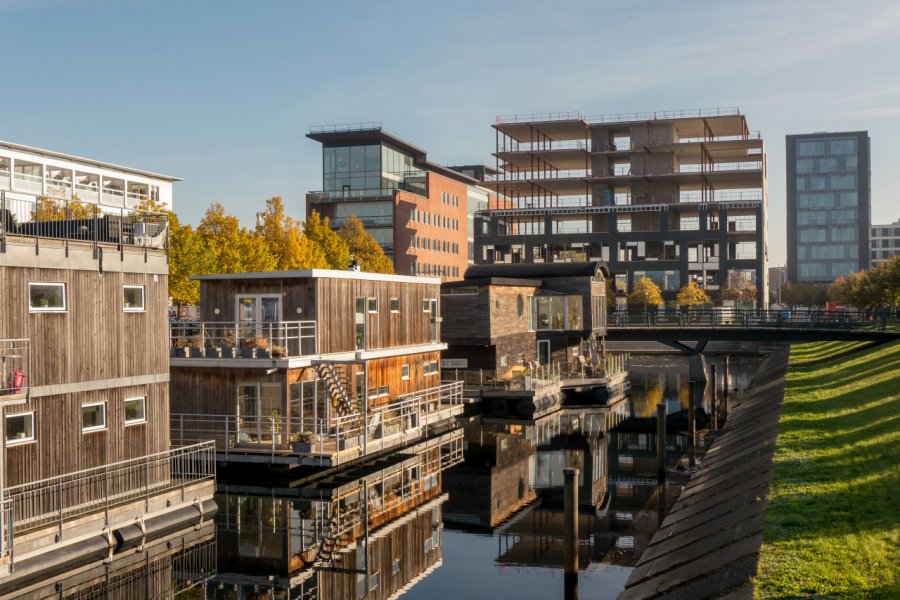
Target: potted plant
<point>248,348</point>
<point>302,443</point>
<point>278,352</point>
<point>262,347</point>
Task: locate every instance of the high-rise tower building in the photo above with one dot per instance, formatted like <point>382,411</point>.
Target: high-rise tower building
<point>828,205</point>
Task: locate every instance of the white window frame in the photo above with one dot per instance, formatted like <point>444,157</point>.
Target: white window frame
<point>404,373</point>
<point>96,427</point>
<point>17,441</point>
<point>143,419</point>
<point>47,309</point>
<point>143,306</point>
<point>392,304</point>
<point>368,306</point>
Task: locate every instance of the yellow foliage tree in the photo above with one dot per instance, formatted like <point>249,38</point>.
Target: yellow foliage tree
<point>54,209</point>
<point>319,232</point>
<point>234,249</point>
<point>645,292</point>
<point>692,294</point>
<point>286,241</point>
<point>364,248</point>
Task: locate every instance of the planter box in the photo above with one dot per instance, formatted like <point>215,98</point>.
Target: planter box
<point>248,352</point>
<point>213,352</point>
<point>301,447</point>
<point>347,443</point>
<point>228,353</point>
<point>263,353</point>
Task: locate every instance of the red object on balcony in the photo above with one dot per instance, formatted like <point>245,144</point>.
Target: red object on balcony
<point>15,380</point>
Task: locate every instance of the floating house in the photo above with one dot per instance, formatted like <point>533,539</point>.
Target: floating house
<point>314,367</point>
<point>87,459</point>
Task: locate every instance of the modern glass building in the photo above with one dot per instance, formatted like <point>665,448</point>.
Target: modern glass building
<point>829,205</point>
<point>885,242</point>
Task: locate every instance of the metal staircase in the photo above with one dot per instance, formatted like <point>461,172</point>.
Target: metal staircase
<point>337,389</point>
<point>329,545</point>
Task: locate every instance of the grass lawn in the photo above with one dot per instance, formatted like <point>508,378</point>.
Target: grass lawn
<point>833,522</point>
<point>816,351</point>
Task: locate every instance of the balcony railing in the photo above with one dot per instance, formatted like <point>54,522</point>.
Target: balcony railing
<point>695,113</point>
<point>540,117</point>
<point>236,339</point>
<point>515,379</point>
<point>56,500</point>
<point>15,366</point>
<point>401,421</point>
<point>45,217</point>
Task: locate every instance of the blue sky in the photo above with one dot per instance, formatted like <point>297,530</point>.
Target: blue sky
<point>222,93</point>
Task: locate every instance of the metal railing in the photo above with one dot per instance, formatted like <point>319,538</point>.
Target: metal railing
<point>73,220</point>
<point>696,113</point>
<point>236,339</point>
<point>733,318</point>
<point>521,380</point>
<point>346,128</point>
<point>540,117</point>
<point>511,145</point>
<point>56,500</point>
<point>15,366</point>
<point>404,419</point>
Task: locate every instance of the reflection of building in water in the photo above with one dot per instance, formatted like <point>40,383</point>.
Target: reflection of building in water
<point>510,464</point>
<point>375,527</point>
<point>178,565</point>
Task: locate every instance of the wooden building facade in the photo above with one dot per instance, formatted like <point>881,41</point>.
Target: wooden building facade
<point>503,316</point>
<point>370,352</point>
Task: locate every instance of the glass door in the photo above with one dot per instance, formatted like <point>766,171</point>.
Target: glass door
<point>258,315</point>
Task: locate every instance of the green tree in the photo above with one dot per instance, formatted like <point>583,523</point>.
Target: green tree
<point>692,294</point>
<point>364,248</point>
<point>804,294</point>
<point>336,251</point>
<point>285,240</point>
<point>644,292</point>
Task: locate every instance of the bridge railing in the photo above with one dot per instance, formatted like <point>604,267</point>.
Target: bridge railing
<point>755,319</point>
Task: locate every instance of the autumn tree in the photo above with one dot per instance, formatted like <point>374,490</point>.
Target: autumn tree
<point>285,239</point>
<point>804,294</point>
<point>364,248</point>
<point>57,209</point>
<point>692,294</point>
<point>644,292</point>
<point>234,248</point>
<point>878,288</point>
<point>335,249</point>
<point>739,289</point>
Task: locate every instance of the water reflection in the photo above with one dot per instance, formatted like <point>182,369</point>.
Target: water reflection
<point>377,530</point>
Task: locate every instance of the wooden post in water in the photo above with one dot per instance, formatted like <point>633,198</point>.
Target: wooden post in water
<point>661,442</point>
<point>714,400</point>
<point>570,533</point>
<point>725,386</point>
<point>692,425</point>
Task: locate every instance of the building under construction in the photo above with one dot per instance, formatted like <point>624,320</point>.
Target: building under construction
<point>673,196</point>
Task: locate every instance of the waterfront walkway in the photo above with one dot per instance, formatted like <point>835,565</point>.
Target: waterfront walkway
<point>708,545</point>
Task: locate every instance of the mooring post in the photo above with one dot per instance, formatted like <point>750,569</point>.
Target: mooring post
<point>692,424</point>
<point>661,442</point>
<point>714,400</point>
<point>725,386</point>
<point>570,532</point>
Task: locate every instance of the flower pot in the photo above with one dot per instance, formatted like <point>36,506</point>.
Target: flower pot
<point>301,447</point>
<point>262,353</point>
<point>228,352</point>
<point>248,352</point>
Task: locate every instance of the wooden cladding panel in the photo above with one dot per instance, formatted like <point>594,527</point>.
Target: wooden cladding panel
<point>210,391</point>
<point>387,371</point>
<point>332,304</point>
<point>60,446</point>
<point>94,338</point>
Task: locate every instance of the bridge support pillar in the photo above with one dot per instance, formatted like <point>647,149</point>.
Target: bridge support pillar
<point>692,424</point>
<point>714,399</point>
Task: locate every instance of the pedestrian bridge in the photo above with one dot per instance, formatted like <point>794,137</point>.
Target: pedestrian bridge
<point>679,328</point>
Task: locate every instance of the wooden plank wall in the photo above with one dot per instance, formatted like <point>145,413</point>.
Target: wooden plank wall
<point>95,338</point>
<point>213,391</point>
<point>331,302</point>
<point>60,447</point>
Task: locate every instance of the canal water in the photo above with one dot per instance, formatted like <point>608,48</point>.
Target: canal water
<point>474,513</point>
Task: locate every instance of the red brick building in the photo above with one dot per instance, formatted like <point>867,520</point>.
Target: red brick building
<point>417,211</point>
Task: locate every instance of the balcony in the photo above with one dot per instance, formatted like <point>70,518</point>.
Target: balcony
<point>72,220</point>
<point>696,113</point>
<point>243,340</point>
<point>60,501</point>
<point>15,363</point>
<point>324,441</point>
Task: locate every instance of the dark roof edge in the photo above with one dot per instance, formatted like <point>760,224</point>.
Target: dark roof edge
<point>492,281</point>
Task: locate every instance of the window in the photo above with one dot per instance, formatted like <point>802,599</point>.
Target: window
<point>47,297</point>
<point>395,305</point>
<point>430,367</point>
<point>93,416</point>
<point>135,410</point>
<point>133,298</point>
<point>19,428</point>
<point>404,372</point>
<point>426,305</point>
<point>373,305</point>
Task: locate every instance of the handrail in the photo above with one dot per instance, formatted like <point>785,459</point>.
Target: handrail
<point>542,117</point>
<point>346,128</point>
<point>54,499</point>
<point>15,368</point>
<point>664,115</point>
<point>248,339</point>
<point>735,318</point>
